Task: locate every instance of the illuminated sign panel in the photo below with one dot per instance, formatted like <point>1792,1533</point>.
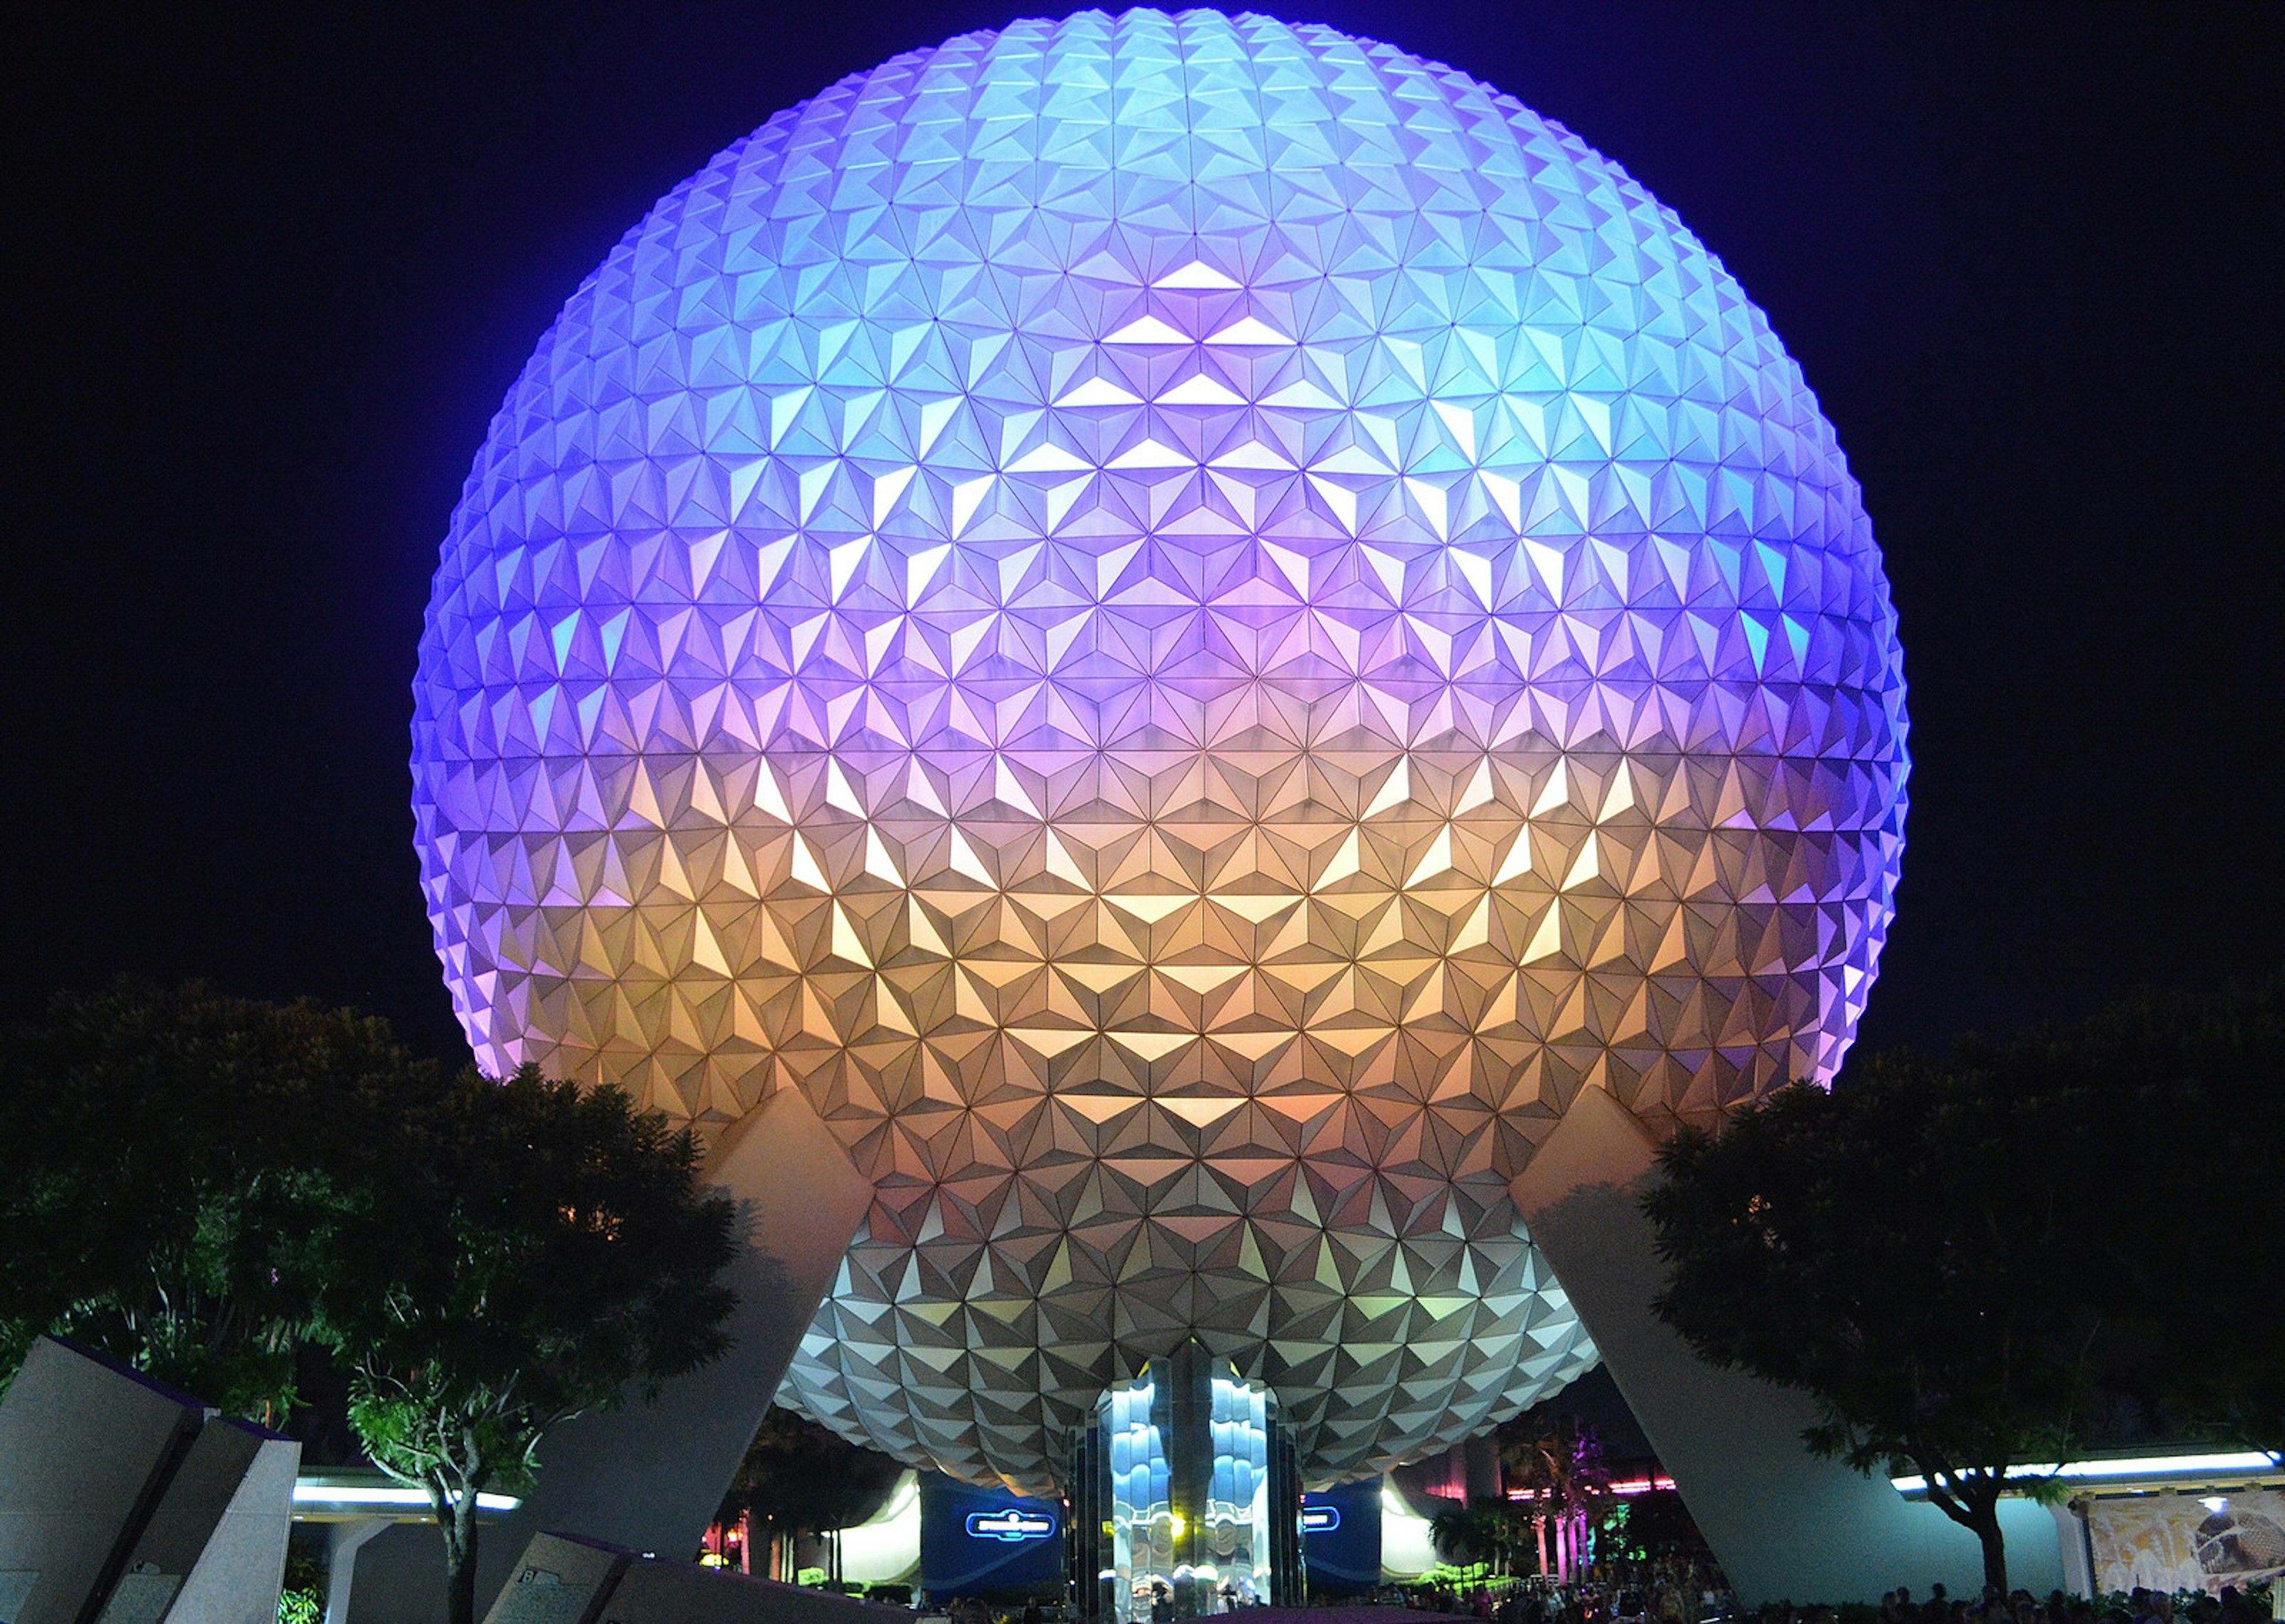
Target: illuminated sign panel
<point>1010,1526</point>
<point>1341,1529</point>
<point>977,1541</point>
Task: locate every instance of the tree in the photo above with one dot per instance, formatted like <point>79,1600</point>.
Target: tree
<point>1949,1257</point>
<point>204,1185</point>
<point>798,1478</point>
<point>1659,1526</point>
<point>544,1250</point>
<point>2176,1114</point>
<point>1482,1532</point>
<point>1877,1249</point>
<point>1558,1463</point>
<point>175,1167</point>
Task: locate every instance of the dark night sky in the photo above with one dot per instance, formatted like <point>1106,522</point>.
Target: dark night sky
<point>273,267</point>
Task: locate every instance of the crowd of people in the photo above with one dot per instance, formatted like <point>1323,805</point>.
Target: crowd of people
<point>2141,1606</point>
<point>1677,1591</point>
<point>1687,1593</point>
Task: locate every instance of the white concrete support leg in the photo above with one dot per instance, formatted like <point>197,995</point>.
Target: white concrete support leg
<point>1785,1524</point>
<point>344,1540</point>
<point>120,1497</point>
<point>85,1449</point>
<point>2078,1556</point>
<point>232,1503</point>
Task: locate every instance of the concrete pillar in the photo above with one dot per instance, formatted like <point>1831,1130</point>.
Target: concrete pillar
<point>2078,1557</point>
<point>217,1536</point>
<point>85,1448</point>
<point>343,1541</point>
<point>122,1496</point>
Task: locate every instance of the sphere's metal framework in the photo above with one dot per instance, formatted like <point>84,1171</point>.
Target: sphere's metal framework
<point>1190,625</point>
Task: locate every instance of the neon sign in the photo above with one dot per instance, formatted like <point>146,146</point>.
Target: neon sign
<point>1010,1526</point>
<point>1320,1519</point>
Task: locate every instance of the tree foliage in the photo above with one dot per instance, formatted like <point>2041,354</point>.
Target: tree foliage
<point>2001,1257</point>
<point>201,1185</point>
<point>1482,1532</point>
<point>1556,1456</point>
<point>2179,1147</point>
<point>544,1249</point>
<point>176,1169</point>
<point>1558,1460</point>
<point>800,1477</point>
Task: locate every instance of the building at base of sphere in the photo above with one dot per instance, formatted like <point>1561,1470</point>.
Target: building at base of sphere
<point>1184,1496</point>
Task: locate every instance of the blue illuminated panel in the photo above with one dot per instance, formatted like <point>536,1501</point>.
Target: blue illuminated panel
<point>986,1541</point>
<point>1341,1534</point>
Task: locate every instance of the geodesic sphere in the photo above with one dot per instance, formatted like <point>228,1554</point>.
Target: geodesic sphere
<point>1190,625</point>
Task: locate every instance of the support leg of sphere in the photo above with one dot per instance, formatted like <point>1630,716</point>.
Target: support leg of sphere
<point>1783,1523</point>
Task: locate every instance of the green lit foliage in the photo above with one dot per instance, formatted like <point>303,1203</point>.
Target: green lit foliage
<point>302,1598</point>
<point>1473,1539</point>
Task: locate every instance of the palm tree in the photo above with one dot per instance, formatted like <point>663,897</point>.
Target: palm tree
<point>800,1479</point>
<point>1480,1533</point>
<point>1558,1463</point>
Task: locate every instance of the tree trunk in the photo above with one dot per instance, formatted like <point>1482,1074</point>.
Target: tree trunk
<point>1986,1528</point>
<point>456,1520</point>
<point>1972,1500</point>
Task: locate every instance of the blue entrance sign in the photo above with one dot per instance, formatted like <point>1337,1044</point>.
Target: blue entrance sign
<point>1010,1525</point>
<point>1320,1519</point>
<point>987,1542</point>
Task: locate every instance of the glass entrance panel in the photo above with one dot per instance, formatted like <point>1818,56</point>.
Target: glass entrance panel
<point>1189,1454</point>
